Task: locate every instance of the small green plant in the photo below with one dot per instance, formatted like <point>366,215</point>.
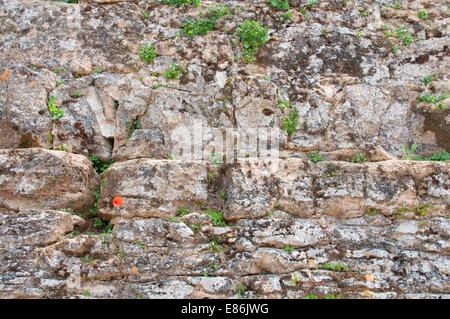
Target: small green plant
<point>359,34</point>
<point>279,4</point>
<point>93,210</point>
<point>284,104</point>
<point>217,218</point>
<point>76,94</point>
<point>195,227</point>
<point>252,35</point>
<point>147,52</point>
<point>428,79</point>
<point>439,156</point>
<point>86,293</point>
<point>421,210</point>
<point>86,259</point>
<point>55,112</point>
<point>396,5</point>
<point>295,278</point>
<point>173,72</point>
<point>210,176</point>
<point>358,158</point>
<point>334,266</point>
<point>99,165</point>
<point>400,33</point>
<point>194,3</point>
<point>331,296</point>
<point>422,14</point>
<point>173,219</point>
<point>403,35</point>
<point>182,211</point>
<point>221,194</point>
<point>437,100</point>
<point>132,126</point>
<point>288,248</point>
<point>311,296</point>
<point>287,16</point>
<point>97,70</point>
<point>289,122</point>
<point>240,290</point>
<point>314,157</point>
<point>59,82</point>
<point>214,158</point>
<point>191,27</point>
<point>139,243</point>
<point>312,3</point>
<point>145,14</point>
<point>409,153</point>
<point>372,211</point>
<point>63,147</point>
<point>395,48</point>
<point>214,246</point>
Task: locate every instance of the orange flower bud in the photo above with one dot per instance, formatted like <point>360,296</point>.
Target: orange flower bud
<point>117,201</point>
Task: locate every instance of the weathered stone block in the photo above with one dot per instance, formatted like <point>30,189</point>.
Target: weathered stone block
<point>35,178</point>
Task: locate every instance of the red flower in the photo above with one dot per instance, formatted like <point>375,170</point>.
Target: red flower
<point>117,201</point>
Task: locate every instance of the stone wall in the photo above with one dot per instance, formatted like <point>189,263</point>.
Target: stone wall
<point>356,205</point>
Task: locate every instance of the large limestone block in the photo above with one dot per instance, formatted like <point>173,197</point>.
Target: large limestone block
<point>24,118</point>
<point>153,188</point>
<point>35,178</point>
<point>342,189</point>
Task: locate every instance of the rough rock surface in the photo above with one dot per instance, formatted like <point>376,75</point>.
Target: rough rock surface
<point>353,208</point>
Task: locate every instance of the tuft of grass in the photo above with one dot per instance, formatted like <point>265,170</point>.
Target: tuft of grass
<point>288,248</point>
<point>314,157</point>
<point>252,35</point>
<point>409,153</point>
<point>311,296</point>
<point>217,218</point>
<point>147,52</point>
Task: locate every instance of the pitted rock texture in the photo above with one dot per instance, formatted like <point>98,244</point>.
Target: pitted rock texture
<point>34,178</point>
<point>350,209</point>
